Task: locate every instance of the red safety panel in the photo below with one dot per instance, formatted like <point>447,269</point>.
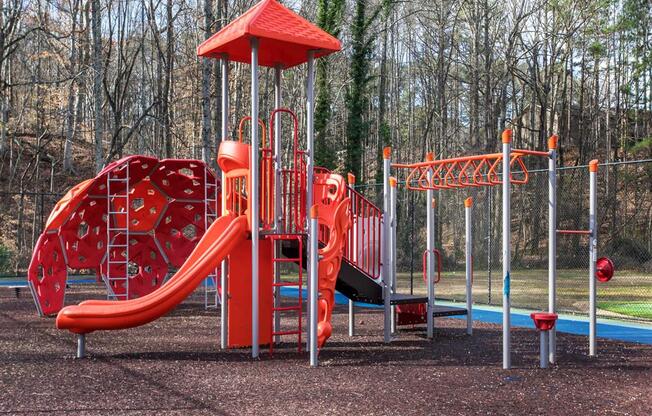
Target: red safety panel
<point>84,234</point>
<point>146,205</point>
<point>145,257</point>
<point>180,179</point>
<point>411,314</point>
<point>181,226</point>
<point>139,168</point>
<point>239,288</point>
<point>47,272</point>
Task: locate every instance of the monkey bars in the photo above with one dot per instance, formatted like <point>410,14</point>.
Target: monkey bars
<point>467,171</point>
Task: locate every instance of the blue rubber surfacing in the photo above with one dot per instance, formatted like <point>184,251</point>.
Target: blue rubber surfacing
<point>606,329</point>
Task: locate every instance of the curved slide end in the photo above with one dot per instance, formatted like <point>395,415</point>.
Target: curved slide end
<point>219,240</point>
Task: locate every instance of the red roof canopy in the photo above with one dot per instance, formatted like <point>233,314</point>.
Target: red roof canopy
<point>284,37</point>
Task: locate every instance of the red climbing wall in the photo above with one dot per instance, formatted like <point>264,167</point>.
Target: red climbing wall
<point>167,205</point>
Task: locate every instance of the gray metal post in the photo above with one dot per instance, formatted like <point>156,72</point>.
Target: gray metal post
<point>430,246</point>
<point>351,180</point>
<point>552,242</point>
<point>314,294</point>
<point>392,245</point>
<point>310,136</point>
<point>468,211</point>
<point>81,345</point>
<point>254,199</point>
<point>543,348</point>
<point>224,307</point>
<point>507,259</point>
<point>386,241</point>
<point>593,253</point>
<point>277,193</point>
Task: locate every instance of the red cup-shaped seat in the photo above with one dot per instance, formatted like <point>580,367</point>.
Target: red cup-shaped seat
<point>604,269</point>
<point>544,321</point>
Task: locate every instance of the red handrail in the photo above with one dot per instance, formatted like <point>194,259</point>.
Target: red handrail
<point>363,239</point>
<point>425,262</point>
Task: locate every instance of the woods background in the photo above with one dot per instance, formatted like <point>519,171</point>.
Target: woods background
<point>83,83</point>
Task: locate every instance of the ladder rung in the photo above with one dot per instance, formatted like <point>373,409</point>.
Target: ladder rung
<point>117,245</point>
<point>118,179</point>
<point>284,260</point>
<point>117,229</point>
<point>117,279</point>
<point>297,332</point>
<point>283,284</point>
<point>287,308</point>
<point>118,212</point>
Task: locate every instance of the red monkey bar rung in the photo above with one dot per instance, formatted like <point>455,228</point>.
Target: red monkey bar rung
<point>468,171</point>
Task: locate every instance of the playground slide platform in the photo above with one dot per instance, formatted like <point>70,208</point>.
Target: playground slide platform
<point>218,241</point>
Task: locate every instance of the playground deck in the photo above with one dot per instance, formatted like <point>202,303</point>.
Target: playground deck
<point>174,366</point>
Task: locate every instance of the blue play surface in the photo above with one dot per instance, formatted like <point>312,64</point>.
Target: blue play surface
<point>607,328</point>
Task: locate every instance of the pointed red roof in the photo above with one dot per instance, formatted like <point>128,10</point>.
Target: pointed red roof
<point>284,37</point>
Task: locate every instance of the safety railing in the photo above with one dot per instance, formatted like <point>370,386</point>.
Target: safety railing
<point>363,240</point>
<point>236,192</point>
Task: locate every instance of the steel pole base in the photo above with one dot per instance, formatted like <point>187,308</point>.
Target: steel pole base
<point>81,346</point>
<point>543,353</point>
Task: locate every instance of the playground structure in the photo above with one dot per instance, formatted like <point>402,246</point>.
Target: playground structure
<point>273,208</point>
<point>482,170</point>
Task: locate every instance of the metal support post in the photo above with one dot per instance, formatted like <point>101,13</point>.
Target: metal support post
<point>224,305</point>
<point>386,240</point>
<point>277,197</point>
<point>430,246</point>
<point>544,337</point>
<point>552,242</point>
<point>351,180</point>
<point>310,142</point>
<point>81,345</point>
<point>593,253</point>
<point>392,246</point>
<point>254,199</point>
<point>313,295</point>
<point>468,211</point>
<point>507,259</point>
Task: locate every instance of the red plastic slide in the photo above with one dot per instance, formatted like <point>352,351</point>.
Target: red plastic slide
<point>218,241</point>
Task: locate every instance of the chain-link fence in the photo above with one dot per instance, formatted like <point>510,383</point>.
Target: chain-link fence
<point>625,235</point>
<point>22,219</point>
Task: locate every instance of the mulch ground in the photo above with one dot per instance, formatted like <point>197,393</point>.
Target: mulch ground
<point>174,366</point>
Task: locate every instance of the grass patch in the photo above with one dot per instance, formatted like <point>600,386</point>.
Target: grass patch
<point>633,309</point>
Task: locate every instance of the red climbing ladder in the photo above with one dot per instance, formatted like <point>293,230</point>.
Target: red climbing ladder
<point>278,307</point>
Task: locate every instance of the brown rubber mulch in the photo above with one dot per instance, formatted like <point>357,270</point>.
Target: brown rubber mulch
<point>174,366</point>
